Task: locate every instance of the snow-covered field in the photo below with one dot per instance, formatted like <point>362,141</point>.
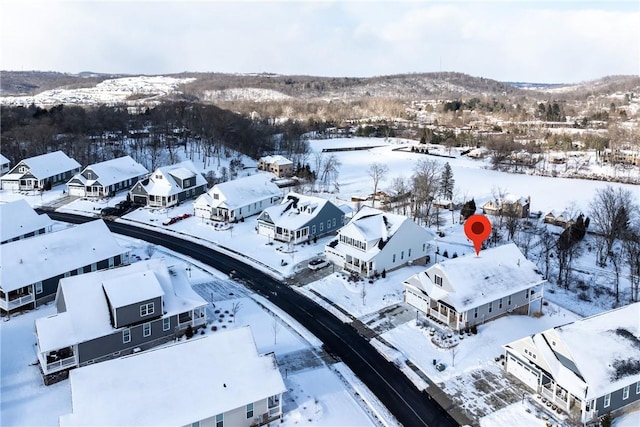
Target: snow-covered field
<point>400,337</point>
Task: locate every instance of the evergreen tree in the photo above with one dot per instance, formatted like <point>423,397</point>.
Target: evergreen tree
<point>468,209</point>
<point>447,182</point>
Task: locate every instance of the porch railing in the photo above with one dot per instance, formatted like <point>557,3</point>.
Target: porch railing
<point>16,302</point>
<point>60,364</point>
<point>554,398</point>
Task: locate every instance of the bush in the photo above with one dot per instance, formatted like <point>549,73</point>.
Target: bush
<point>474,330</point>
<point>189,332</point>
<point>445,254</point>
<point>384,273</point>
<point>455,255</point>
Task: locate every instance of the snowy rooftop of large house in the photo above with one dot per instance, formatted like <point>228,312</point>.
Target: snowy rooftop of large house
<point>243,191</point>
<point>28,261</point>
<point>17,218</point>
<point>87,313</point>
<point>3,160</point>
<point>49,164</point>
<point>152,388</point>
<point>167,185</point>
<point>477,280</point>
<point>605,348</point>
<point>121,293</point>
<point>277,159</point>
<point>113,171</point>
<point>295,211</point>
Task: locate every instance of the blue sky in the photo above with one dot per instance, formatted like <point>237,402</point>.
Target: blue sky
<point>557,41</point>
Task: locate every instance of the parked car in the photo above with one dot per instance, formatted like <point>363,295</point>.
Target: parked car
<point>318,263</point>
<point>110,211</point>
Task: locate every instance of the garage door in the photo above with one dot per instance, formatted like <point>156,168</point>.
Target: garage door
<point>76,191</point>
<point>10,185</point>
<point>524,373</point>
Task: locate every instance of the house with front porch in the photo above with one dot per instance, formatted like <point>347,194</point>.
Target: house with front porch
<point>218,379</point>
<point>169,185</point>
<point>37,172</point>
<point>106,178</point>
<point>278,165</point>
<point>237,199</point>
<point>30,269</point>
<point>112,313</point>
<point>469,290</point>
<point>373,241</point>
<point>300,218</point>
<point>19,221</point>
<point>586,368</point>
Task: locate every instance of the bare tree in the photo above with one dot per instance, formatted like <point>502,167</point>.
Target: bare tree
<point>610,211</point>
<point>150,250</point>
<point>546,245</point>
<point>330,169</point>
<point>631,254</point>
<point>401,194</point>
<point>235,308</point>
<point>426,181</point>
<point>276,328</point>
<point>454,352</point>
<point>377,172</point>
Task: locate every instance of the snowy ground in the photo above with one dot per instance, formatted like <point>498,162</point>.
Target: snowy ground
<point>381,308</point>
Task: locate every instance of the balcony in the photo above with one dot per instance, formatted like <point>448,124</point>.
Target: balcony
<point>58,360</point>
<point>16,302</point>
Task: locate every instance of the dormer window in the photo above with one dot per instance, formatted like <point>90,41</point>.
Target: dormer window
<point>146,309</point>
<point>438,280</point>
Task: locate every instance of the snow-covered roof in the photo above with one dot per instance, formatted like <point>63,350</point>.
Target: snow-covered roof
<point>295,211</point>
<point>277,160</point>
<point>18,218</point>
<point>113,171</point>
<point>50,164</point>
<point>151,388</point>
<point>477,280</point>
<point>167,186</point>
<point>371,224</point>
<point>28,261</point>
<point>3,160</point>
<point>83,321</point>
<point>602,346</point>
<point>242,191</point>
<point>121,293</point>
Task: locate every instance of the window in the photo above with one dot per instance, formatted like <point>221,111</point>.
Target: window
<point>313,229</point>
<point>409,255</point>
<point>437,279</point>
<point>146,329</point>
<point>625,393</point>
<point>322,226</point>
<point>401,254</point>
<point>424,247</point>
<point>250,410</point>
<point>126,335</point>
<point>607,400</point>
<point>500,303</point>
<point>220,420</point>
<point>195,424</point>
<point>146,309</point>
<point>475,312</point>
<point>509,300</point>
<point>38,287</point>
<point>166,324</point>
<point>638,387</point>
<point>490,306</point>
<point>328,224</point>
<point>334,222</point>
<point>394,258</point>
<point>216,196</point>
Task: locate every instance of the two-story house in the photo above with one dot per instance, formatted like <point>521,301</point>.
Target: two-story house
<point>106,178</point>
<point>586,368</point>
<point>237,199</point>
<point>469,290</point>
<point>30,269</point>
<point>169,185</point>
<point>373,241</point>
<point>111,313</point>
<point>35,172</point>
<point>509,205</point>
<point>5,165</point>
<point>19,221</point>
<point>218,379</point>
<point>300,218</point>
<point>278,165</point>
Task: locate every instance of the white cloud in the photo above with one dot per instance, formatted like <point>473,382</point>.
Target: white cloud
<point>503,40</point>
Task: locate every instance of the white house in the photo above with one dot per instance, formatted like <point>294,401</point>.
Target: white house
<point>587,368</point>
<point>468,290</point>
<point>18,221</point>
<point>105,178</point>
<point>300,218</point>
<point>280,166</point>
<point>30,269</point>
<point>5,165</point>
<point>218,379</point>
<point>35,172</point>
<point>239,198</point>
<point>112,313</point>
<point>374,241</point>
<point>169,185</point>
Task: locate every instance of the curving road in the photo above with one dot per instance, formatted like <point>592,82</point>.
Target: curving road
<point>410,406</point>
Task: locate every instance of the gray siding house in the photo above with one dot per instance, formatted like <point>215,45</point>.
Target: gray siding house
<point>33,173</point>
<point>586,368</point>
<point>19,221</point>
<point>116,312</point>
<point>105,178</point>
<point>30,269</point>
<point>468,290</point>
<point>214,380</point>
<point>300,218</point>
<point>169,185</point>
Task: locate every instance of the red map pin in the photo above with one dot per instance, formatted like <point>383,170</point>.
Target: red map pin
<point>477,228</point>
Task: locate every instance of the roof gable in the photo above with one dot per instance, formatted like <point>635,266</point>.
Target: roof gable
<point>47,165</point>
<point>17,218</point>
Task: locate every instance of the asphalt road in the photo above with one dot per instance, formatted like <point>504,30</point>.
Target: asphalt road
<point>410,406</point>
